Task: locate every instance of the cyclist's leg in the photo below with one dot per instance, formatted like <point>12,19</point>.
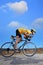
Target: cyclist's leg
<point>18,38</point>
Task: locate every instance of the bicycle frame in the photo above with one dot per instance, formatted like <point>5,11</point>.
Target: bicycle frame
<point>25,41</point>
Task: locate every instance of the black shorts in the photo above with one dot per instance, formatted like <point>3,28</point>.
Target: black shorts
<point>18,33</point>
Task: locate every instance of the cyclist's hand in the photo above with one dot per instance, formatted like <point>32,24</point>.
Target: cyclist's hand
<point>29,36</point>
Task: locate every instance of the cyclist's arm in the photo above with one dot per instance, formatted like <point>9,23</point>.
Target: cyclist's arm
<point>26,35</point>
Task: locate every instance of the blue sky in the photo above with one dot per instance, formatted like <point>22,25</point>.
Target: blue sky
<point>21,13</point>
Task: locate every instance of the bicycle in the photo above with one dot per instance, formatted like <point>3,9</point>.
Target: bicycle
<point>27,48</point>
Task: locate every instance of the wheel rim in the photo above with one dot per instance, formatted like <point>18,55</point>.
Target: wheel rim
<point>7,49</point>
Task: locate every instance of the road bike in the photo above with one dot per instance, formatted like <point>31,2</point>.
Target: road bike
<point>28,48</point>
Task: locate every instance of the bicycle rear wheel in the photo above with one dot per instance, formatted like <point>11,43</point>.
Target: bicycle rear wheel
<point>7,49</point>
<point>29,49</point>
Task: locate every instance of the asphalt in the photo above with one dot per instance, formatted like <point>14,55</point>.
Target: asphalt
<point>19,59</point>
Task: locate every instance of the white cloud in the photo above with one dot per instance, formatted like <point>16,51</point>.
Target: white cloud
<point>16,24</point>
<point>19,7</point>
<point>13,24</point>
<point>38,23</point>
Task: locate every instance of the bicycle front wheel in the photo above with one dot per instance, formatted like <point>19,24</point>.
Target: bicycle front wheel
<point>29,49</point>
<point>7,49</point>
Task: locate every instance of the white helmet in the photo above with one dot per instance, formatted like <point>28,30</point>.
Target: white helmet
<point>33,30</point>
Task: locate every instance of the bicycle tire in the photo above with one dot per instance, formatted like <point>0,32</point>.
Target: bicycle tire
<point>7,49</point>
<point>29,51</point>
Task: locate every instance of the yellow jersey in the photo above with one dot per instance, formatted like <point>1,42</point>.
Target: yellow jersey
<point>22,31</point>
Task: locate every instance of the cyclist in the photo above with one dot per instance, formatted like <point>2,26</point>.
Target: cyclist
<point>22,31</point>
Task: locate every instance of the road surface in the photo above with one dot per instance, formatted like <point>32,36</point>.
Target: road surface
<point>37,59</point>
